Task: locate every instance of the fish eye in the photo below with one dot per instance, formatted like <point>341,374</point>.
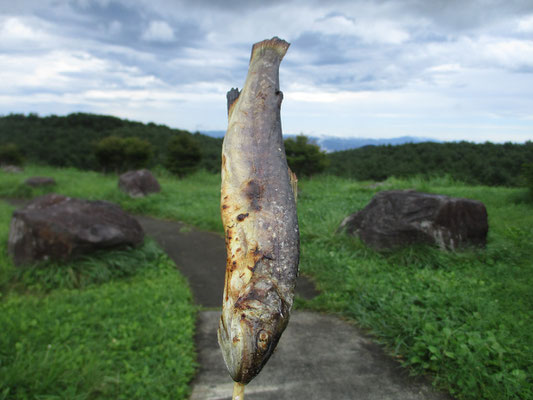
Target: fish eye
<point>262,339</point>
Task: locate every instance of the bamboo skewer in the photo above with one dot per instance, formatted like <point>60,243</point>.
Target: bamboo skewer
<point>238,391</point>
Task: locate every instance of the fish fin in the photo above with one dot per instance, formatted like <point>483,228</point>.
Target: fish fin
<point>279,45</point>
<point>294,184</point>
<point>232,96</point>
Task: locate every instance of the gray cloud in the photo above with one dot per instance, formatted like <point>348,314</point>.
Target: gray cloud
<point>326,49</point>
<point>122,24</point>
<point>167,52</point>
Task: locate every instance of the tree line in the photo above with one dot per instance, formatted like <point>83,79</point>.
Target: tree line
<point>485,163</point>
<point>99,142</point>
<point>106,143</point>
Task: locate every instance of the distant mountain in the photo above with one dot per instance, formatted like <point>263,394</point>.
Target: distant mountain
<point>215,134</point>
<point>335,143</point>
<point>332,143</point>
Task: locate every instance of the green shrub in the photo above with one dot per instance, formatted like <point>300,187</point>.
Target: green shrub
<point>69,141</point>
<point>183,155</point>
<point>527,172</point>
<point>304,158</point>
<point>122,154</point>
<point>10,154</point>
<point>85,271</point>
<point>475,163</point>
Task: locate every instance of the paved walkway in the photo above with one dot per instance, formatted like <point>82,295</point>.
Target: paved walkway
<point>318,357</point>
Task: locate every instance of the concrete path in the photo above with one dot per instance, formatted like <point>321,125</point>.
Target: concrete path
<point>318,356</point>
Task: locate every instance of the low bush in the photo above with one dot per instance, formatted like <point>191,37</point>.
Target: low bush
<point>118,154</point>
<point>10,154</point>
<point>85,271</point>
<point>183,155</point>
<point>304,158</point>
<point>527,172</point>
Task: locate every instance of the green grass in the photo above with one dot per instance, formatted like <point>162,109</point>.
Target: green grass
<point>116,325</point>
<point>465,318</point>
<point>85,271</point>
<point>194,199</point>
<point>6,265</point>
<point>130,339</point>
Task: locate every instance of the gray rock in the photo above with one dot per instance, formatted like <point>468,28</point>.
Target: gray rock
<point>398,218</point>
<point>37,181</point>
<point>138,183</point>
<point>12,169</point>
<point>60,228</point>
<point>376,185</point>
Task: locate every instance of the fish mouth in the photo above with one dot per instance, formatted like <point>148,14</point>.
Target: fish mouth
<point>251,327</point>
<point>231,343</point>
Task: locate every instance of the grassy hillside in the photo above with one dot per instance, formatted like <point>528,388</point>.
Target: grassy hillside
<point>464,318</point>
<point>194,199</point>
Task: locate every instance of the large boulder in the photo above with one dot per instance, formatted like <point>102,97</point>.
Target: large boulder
<point>37,181</point>
<point>402,217</point>
<point>138,183</point>
<point>60,228</point>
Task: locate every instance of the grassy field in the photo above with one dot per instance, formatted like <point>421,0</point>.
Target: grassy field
<point>194,200</point>
<point>464,318</point>
<point>116,325</point>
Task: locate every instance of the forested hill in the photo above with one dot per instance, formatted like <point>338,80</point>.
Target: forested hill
<point>70,140</point>
<point>487,163</point>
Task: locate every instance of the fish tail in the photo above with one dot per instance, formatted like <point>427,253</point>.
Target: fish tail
<point>277,44</point>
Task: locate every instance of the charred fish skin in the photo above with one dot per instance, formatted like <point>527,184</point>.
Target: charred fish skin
<point>259,215</point>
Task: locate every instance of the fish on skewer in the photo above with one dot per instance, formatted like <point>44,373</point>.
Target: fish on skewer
<point>258,210</point>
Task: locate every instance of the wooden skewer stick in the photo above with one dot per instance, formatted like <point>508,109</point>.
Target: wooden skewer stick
<point>238,391</point>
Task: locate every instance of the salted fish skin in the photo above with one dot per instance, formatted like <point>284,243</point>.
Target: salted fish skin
<point>259,215</point>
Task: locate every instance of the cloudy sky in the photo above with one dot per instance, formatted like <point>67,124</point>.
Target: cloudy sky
<point>443,69</point>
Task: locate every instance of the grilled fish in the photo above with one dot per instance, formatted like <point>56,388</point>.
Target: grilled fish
<point>259,215</point>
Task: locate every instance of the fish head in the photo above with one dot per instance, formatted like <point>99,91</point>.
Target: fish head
<point>250,331</point>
